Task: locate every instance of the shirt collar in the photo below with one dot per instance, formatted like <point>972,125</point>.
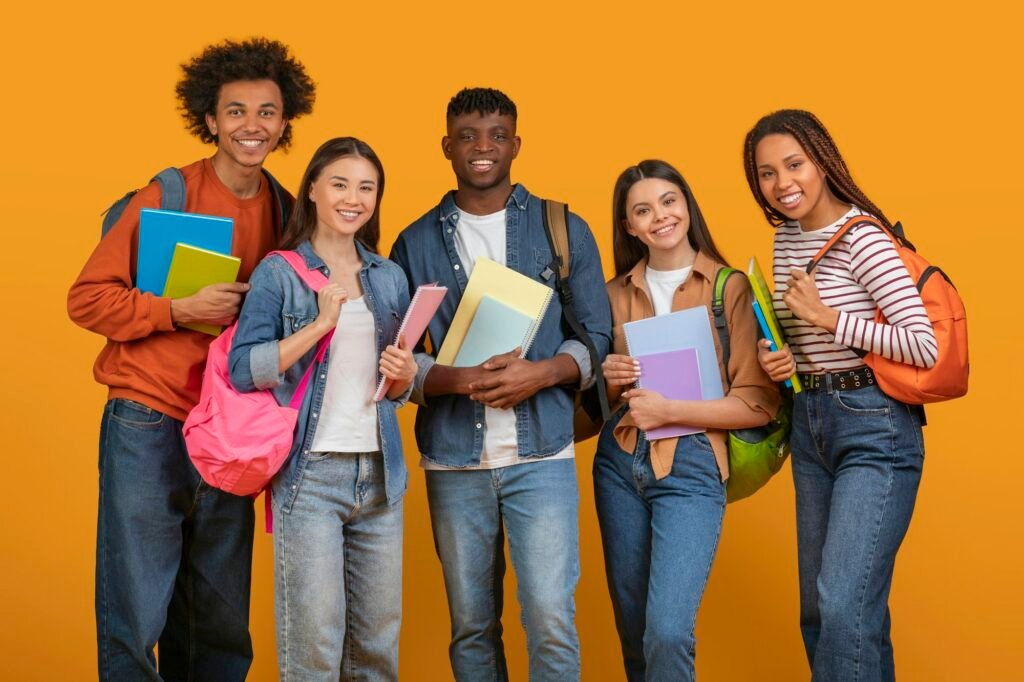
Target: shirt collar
<point>702,265</point>
<point>520,197</point>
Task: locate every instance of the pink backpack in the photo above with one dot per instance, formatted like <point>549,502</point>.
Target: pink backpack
<point>238,441</point>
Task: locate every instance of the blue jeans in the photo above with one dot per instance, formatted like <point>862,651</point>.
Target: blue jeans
<point>537,504</point>
<point>338,572</point>
<point>173,557</point>
<point>857,458</point>
<point>660,538</point>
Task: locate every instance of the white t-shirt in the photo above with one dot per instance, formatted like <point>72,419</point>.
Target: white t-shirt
<point>663,285</point>
<point>348,419</point>
<point>476,237</point>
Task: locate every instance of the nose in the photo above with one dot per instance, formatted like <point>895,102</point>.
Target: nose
<point>252,120</point>
<point>482,144</point>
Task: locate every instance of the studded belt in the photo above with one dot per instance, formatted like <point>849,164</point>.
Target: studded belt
<point>849,380</point>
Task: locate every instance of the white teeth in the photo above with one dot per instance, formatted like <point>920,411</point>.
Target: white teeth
<point>349,214</point>
<point>791,198</point>
<point>250,143</point>
<point>482,163</point>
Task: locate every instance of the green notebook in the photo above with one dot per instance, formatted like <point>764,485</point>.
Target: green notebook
<point>192,269</point>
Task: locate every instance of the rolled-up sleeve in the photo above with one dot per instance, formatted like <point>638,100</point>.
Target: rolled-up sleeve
<point>254,358</point>
<point>578,352</point>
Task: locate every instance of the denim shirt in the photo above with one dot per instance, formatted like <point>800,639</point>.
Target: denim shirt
<point>450,428</point>
<point>278,305</point>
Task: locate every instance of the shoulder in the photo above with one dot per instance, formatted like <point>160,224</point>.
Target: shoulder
<point>737,289</point>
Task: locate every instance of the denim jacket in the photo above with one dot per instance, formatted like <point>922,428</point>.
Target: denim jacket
<point>450,428</point>
<point>278,305</point>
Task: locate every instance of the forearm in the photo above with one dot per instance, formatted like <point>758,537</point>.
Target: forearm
<point>446,380</point>
<point>292,348</point>
<point>398,389</point>
<point>725,413</point>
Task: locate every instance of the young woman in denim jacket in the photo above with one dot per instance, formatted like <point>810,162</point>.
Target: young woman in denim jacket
<point>857,453</point>
<point>338,500</point>
<point>660,505</point>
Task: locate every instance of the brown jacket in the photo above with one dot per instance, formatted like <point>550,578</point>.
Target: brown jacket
<point>745,379</point>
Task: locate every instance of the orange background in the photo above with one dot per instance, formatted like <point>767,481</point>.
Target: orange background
<point>921,103</point>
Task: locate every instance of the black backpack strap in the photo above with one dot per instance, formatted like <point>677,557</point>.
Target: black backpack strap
<point>172,197</point>
<point>718,310</point>
<point>284,203</point>
<point>556,228</point>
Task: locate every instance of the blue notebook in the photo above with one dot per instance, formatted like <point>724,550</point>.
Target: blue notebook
<point>766,332</point>
<point>496,328</point>
<point>690,328</point>
<point>160,231</point>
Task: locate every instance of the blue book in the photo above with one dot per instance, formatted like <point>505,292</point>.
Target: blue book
<point>690,328</point>
<point>496,328</point>
<point>160,231</point>
<point>766,332</point>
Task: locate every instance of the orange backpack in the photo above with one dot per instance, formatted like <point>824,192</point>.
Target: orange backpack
<point>948,377</point>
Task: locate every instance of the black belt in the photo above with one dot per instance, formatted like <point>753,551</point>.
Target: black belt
<point>849,380</point>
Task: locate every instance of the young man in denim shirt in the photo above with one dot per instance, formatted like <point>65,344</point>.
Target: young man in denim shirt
<point>173,556</point>
<point>497,439</point>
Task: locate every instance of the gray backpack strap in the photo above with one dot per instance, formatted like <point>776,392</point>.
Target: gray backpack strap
<point>172,197</point>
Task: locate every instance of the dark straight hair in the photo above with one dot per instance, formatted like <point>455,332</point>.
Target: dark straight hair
<point>302,220</point>
<point>629,250</point>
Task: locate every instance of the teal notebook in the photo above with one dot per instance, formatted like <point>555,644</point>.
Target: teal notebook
<point>496,328</point>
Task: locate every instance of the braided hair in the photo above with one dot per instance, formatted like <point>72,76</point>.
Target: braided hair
<point>819,145</point>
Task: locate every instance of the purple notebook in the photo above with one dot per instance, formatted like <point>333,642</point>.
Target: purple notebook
<point>675,374</point>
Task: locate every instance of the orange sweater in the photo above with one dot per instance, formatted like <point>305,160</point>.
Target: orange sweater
<point>146,358</point>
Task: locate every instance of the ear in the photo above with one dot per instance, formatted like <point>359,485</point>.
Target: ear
<point>517,142</point>
<point>211,124</point>
<point>629,230</point>
<point>446,147</point>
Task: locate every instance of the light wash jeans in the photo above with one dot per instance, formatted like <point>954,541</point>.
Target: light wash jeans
<point>857,459</point>
<point>172,558</point>
<point>660,537</point>
<point>536,504</point>
<point>338,573</point>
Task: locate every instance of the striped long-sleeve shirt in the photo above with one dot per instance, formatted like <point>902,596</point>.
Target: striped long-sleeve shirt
<point>860,274</point>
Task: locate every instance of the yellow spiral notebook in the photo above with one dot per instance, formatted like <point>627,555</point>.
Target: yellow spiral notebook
<point>503,284</point>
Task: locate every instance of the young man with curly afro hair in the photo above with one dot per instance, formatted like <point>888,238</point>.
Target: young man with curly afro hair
<point>173,555</point>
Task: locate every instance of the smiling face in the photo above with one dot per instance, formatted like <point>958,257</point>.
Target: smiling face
<point>793,184</point>
<point>481,149</point>
<point>248,122</point>
<point>656,214</point>
<point>345,195</point>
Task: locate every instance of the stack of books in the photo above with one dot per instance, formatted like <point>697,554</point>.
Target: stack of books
<point>180,253</point>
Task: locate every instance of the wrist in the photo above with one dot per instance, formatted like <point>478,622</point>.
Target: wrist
<point>180,311</point>
<point>827,319</point>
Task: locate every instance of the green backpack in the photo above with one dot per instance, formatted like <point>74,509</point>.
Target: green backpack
<point>755,455</point>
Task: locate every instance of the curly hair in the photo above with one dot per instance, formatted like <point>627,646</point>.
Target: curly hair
<point>227,62</point>
<point>482,101</point>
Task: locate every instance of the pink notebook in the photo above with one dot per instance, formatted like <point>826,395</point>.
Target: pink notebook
<point>674,374</point>
<point>421,310</point>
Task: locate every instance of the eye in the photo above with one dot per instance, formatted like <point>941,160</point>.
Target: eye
<point>795,165</point>
<point>767,174</point>
<point>338,185</point>
<point>670,201</point>
<point>641,211</point>
<point>466,138</point>
<point>234,112</point>
<point>267,113</point>
<point>500,137</point>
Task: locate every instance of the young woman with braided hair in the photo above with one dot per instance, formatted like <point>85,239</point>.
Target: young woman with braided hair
<point>857,453</point>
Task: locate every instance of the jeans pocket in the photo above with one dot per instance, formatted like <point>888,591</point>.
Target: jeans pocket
<point>134,415</point>
<point>867,401</point>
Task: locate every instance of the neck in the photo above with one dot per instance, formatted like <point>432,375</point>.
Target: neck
<point>243,181</point>
<point>828,210</point>
<point>483,201</point>
<point>678,258</point>
<point>335,249</point>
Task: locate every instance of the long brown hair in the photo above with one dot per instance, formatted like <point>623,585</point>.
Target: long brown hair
<point>629,250</point>
<point>302,220</point>
<point>817,144</point>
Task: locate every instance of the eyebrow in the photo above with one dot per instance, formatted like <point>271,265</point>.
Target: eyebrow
<point>768,165</point>
<point>265,105</point>
<point>344,179</point>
